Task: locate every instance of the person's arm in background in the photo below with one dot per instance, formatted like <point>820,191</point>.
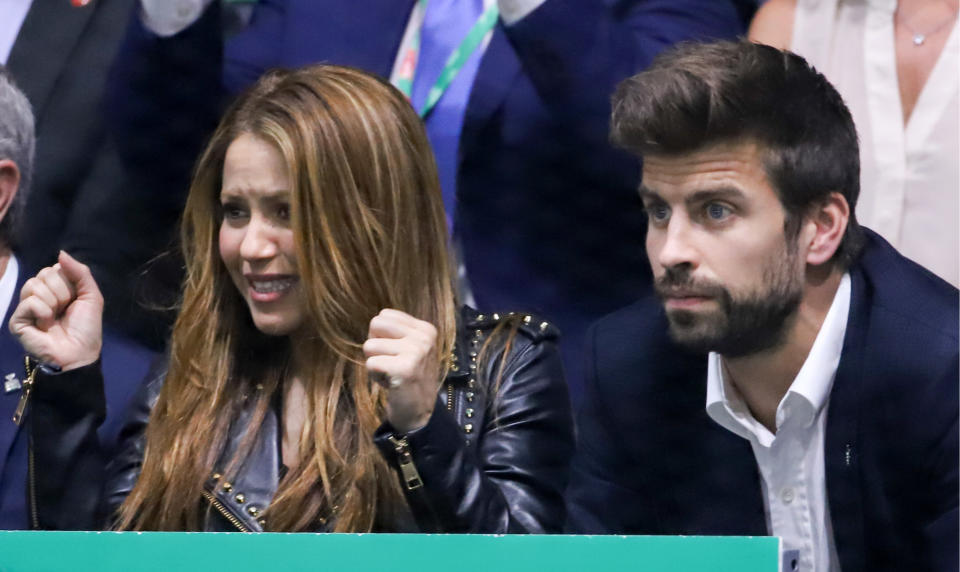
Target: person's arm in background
<point>164,101</point>
<point>577,51</point>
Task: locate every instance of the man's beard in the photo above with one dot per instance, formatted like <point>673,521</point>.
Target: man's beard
<point>743,324</point>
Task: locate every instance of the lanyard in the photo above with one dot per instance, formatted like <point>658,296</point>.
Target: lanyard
<point>456,60</point>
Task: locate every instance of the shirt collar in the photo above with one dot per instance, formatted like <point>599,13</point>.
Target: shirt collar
<point>8,284</point>
<point>807,394</point>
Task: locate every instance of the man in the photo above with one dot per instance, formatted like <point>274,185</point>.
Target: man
<point>82,199</point>
<point>831,378</point>
<point>126,361</point>
<point>543,208</point>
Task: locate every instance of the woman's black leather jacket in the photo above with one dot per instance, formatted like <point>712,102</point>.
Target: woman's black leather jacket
<point>484,463</point>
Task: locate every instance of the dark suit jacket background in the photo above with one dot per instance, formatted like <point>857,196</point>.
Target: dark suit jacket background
<point>651,461</point>
<point>548,214</point>
<point>82,199</point>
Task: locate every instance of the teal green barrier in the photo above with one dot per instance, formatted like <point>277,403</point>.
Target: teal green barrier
<point>131,551</point>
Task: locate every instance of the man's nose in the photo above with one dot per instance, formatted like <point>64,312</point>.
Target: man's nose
<point>676,246</point>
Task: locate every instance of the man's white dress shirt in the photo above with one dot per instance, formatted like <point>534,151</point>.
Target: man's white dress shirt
<point>12,15</point>
<point>791,463</point>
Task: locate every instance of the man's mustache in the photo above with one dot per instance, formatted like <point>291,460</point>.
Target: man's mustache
<point>678,282</point>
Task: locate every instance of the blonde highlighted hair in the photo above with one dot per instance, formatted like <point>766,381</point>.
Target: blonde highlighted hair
<point>370,233</point>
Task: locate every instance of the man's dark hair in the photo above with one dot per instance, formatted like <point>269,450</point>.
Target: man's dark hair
<point>696,95</point>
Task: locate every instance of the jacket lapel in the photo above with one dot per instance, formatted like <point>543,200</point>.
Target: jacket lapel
<point>841,446</point>
<point>11,361</point>
<point>497,73</point>
<point>48,35</point>
<point>252,488</point>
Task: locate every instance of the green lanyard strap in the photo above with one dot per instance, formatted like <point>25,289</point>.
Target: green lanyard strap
<point>454,62</point>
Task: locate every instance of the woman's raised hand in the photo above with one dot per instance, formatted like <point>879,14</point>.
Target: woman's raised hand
<point>402,350</point>
<point>59,318</point>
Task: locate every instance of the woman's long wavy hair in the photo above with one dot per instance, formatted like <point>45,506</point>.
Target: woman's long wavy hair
<point>370,233</point>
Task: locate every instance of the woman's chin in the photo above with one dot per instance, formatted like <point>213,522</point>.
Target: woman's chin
<point>274,326</point>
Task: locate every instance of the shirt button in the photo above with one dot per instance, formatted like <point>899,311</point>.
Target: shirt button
<point>787,495</point>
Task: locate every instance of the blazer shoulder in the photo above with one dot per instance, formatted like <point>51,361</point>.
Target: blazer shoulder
<point>632,347</point>
<point>900,287</point>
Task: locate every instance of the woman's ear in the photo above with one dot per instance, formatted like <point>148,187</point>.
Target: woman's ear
<point>824,228</point>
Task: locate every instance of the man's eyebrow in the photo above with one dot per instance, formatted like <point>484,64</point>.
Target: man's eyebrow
<point>647,193</point>
<point>729,193</point>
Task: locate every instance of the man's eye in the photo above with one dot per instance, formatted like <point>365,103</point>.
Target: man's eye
<point>716,211</point>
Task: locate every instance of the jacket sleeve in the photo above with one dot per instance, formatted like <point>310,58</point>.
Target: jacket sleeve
<point>514,481</point>
<point>67,462</point>
<point>74,482</point>
<point>597,499</point>
<point>575,52</point>
<point>943,528</point>
<point>124,466</point>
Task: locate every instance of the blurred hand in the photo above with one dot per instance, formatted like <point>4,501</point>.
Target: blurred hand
<point>59,318</point>
<point>402,350</point>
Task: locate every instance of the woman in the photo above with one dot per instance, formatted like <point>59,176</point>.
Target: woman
<point>320,375</point>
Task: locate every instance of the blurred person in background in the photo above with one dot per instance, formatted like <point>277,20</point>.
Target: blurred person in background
<point>83,200</point>
<point>122,360</point>
<point>897,66</point>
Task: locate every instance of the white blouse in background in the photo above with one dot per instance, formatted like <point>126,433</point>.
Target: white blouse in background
<point>910,178</point>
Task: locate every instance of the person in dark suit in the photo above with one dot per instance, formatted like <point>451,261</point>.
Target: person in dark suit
<point>125,360</point>
<point>808,385</point>
<point>83,200</point>
<point>545,214</point>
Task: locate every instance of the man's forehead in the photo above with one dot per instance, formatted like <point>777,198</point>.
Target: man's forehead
<point>728,162</point>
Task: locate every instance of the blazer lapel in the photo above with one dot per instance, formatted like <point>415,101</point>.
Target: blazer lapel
<point>841,447</point>
<point>49,33</point>
<point>11,361</point>
<point>497,72</point>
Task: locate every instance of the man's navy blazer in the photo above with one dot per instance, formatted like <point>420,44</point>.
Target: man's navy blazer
<point>650,460</point>
<point>547,211</point>
<point>124,363</point>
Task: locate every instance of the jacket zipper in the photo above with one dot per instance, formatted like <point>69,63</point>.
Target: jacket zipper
<point>411,477</point>
<point>18,415</point>
<point>25,394</point>
<point>32,487</point>
<point>224,511</point>
<point>449,396</point>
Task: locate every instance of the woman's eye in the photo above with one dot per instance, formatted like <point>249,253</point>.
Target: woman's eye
<point>658,212</point>
<point>716,211</point>
<point>232,212</point>
<point>283,212</point>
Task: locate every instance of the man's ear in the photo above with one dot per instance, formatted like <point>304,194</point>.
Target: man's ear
<point>824,227</point>
<point>9,183</point>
